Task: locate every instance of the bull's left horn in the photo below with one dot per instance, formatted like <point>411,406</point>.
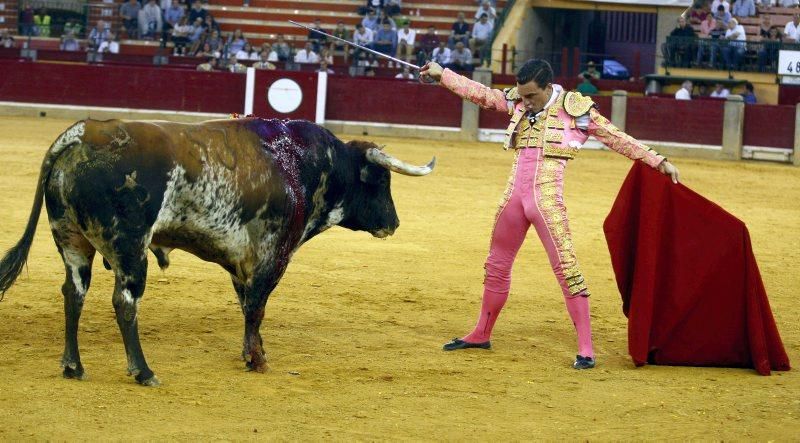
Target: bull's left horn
<point>381,158</point>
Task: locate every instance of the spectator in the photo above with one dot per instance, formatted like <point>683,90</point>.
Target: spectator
<point>264,61</point>
<point>109,44</point>
<point>791,32</point>
<point>460,58</point>
<point>180,35</point>
<point>486,8</point>
<point>306,55</point>
<point>405,42</point>
<point>441,55</point>
<point>744,8</point>
<point>210,24</point>
<point>97,35</point>
<point>234,66</point>
<point>724,3</point>
<point>323,67</point>
<point>384,18</point>
<point>764,27</point>
<point>481,34</point>
<point>364,37</point>
<point>375,5</point>
<point>370,21</point>
<point>586,87</point>
<point>75,27</point>
<point>197,11</point>
<point>26,21</point>
<point>282,48</point>
<point>130,18</point>
<point>198,36</point>
<point>708,25</point>
<point>721,15</point>
<point>590,70</point>
<point>406,74</point>
<point>685,92</point>
<point>214,40</point>
<point>712,43</point>
<point>236,42</point>
<point>247,53</point>
<point>386,40</point>
<point>342,33</point>
<point>682,45</point>
<point>699,12</point>
<point>720,91</point>
<point>749,96</point>
<point>42,23</point>
<point>150,23</point>
<point>427,44</point>
<point>770,45</point>
<point>459,32</point>
<point>173,15</point>
<point>209,66</point>
<point>393,7</point>
<point>6,39</point>
<point>370,72</point>
<point>208,52</point>
<point>325,55</point>
<point>317,40</point>
<point>734,51</point>
<point>69,42</point>
<point>266,50</point>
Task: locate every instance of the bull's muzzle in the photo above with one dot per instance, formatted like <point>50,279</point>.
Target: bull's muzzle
<point>381,158</point>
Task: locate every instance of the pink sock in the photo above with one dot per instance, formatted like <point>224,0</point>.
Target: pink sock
<point>490,308</point>
<point>578,308</point>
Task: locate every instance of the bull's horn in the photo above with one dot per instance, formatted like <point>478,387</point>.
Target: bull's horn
<point>381,158</point>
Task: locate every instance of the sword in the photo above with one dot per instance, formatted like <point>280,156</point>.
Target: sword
<point>404,63</point>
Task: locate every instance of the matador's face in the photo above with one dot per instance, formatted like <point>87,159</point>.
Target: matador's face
<point>533,97</point>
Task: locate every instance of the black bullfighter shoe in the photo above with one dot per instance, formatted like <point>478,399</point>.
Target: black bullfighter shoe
<point>457,343</point>
<point>582,362</point>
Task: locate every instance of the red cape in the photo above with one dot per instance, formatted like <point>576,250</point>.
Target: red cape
<point>689,282</point>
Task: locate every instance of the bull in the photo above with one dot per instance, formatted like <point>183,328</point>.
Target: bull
<point>242,193</point>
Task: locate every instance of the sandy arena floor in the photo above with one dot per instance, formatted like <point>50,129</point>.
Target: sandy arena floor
<point>354,330</point>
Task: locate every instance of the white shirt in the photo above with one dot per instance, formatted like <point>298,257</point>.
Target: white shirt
<point>440,56</point>
<point>244,55</point>
<point>364,38</point>
<point>108,46</point>
<point>724,4</point>
<point>491,12</point>
<point>741,34</point>
<point>272,57</point>
<point>306,57</point>
<point>721,94</point>
<point>406,37</point>
<point>482,31</point>
<point>791,31</point>
<point>683,94</point>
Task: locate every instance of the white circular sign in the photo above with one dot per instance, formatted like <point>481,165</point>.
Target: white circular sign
<point>284,95</point>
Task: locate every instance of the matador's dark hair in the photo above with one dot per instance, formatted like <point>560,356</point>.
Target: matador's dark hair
<point>537,70</point>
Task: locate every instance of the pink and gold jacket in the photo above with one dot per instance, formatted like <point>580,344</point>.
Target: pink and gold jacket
<point>557,132</point>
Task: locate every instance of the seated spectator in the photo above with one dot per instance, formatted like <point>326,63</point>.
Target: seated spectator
<point>370,21</point>
<point>681,46</point>
<point>488,9</point>
<point>481,36</point>
<point>150,23</point>
<point>441,55</point>
<point>196,11</point>
<point>6,39</point>
<point>393,7</point>
<point>405,42</point>
<point>749,96</point>
<point>234,66</point>
<point>335,45</point>
<point>97,35</point>
<point>721,15</point>
<point>180,35</point>
<point>590,70</point>
<point>364,37</point>
<point>323,67</point>
<point>427,44</point>
<point>708,25</point>
<point>770,45</point>
<point>73,26</point>
<point>724,3</point>
<point>266,50</point>
<point>173,15</point>
<point>459,33</point>
<point>386,40</point>
<point>325,55</point>
<point>26,23</point>
<point>744,8</point>
<point>209,66</point>
<point>384,18</point>
<point>210,24</point>
<point>236,42</point>
<point>720,91</point>
<point>586,87</point>
<point>685,92</point>
<point>208,52</point>
<point>369,72</point>
<point>791,32</point>
<point>247,53</point>
<point>712,44</point>
<point>42,23</point>
<point>69,42</point>
<point>110,44</point>
<point>736,36</point>
<point>764,27</point>
<point>129,12</point>
<point>406,74</point>
<point>282,48</point>
<point>460,58</point>
<point>317,40</point>
<point>306,55</point>
<point>699,12</point>
<point>264,61</point>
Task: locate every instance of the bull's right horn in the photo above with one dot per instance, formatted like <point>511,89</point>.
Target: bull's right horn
<point>381,158</point>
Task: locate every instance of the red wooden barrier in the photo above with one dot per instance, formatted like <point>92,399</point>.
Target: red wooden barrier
<point>670,120</point>
<point>769,126</point>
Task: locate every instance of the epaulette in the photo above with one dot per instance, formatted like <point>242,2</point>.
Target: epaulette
<point>576,104</point>
<point>511,94</point>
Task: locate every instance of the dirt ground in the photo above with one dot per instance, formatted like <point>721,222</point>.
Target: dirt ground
<point>354,330</point>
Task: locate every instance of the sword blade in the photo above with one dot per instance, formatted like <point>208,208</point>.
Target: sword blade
<point>364,48</point>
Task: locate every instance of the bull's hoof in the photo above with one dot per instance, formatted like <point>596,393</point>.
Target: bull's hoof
<point>147,378</point>
<point>74,373</point>
<point>261,367</point>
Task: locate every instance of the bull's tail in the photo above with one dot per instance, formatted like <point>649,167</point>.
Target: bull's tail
<point>12,263</point>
